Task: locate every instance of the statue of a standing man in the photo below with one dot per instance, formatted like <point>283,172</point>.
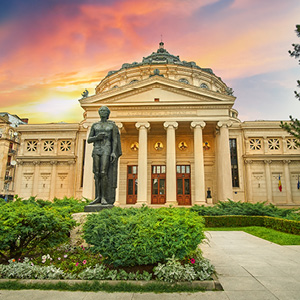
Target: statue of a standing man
<point>106,152</point>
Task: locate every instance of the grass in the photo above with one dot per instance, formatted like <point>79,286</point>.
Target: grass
<point>96,286</point>
<point>268,234</point>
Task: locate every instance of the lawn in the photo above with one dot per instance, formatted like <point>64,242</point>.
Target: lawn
<point>271,235</point>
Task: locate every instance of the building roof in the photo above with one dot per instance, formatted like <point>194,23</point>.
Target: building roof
<point>161,56</point>
<point>14,120</point>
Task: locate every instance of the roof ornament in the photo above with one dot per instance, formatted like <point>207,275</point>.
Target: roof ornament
<point>229,91</point>
<point>156,73</point>
<point>85,93</point>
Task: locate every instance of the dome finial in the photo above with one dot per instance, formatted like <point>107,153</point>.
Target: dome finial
<point>161,44</point>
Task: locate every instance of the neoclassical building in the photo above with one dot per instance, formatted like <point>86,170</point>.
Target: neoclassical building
<point>182,143</point>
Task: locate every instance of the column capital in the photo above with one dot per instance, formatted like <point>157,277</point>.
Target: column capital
<point>225,124</point>
<point>286,161</point>
<point>196,124</point>
<point>267,161</point>
<point>140,125</point>
<point>170,124</point>
<point>120,125</point>
<point>248,161</point>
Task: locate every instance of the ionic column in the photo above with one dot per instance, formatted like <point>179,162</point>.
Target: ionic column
<point>268,180</point>
<point>224,163</point>
<point>36,178</point>
<point>199,181</point>
<point>288,187</point>
<point>117,202</point>
<point>88,176</point>
<point>249,181</point>
<point>171,192</point>
<point>143,128</point>
<point>53,179</point>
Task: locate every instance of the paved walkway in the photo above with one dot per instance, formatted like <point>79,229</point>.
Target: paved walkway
<point>248,268</point>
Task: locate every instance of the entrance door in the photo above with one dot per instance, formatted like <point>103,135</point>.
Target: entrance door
<point>158,182</point>
<point>183,177</point>
<point>132,182</point>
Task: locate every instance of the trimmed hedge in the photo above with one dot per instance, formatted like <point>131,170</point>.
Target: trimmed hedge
<point>283,225</point>
<point>233,221</point>
<point>141,236</point>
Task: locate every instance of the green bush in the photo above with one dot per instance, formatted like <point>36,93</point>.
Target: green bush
<point>65,205</point>
<point>288,226</point>
<point>233,221</point>
<point>128,237</point>
<point>26,227</point>
<point>245,208</point>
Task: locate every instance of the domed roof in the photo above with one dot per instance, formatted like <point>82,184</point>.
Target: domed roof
<point>161,56</point>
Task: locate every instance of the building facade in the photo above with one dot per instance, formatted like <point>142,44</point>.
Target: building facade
<point>9,145</point>
<point>182,143</point>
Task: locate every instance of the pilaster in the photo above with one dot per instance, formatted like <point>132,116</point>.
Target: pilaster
<point>268,180</point>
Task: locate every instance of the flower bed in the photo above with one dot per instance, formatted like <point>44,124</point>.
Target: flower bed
<point>81,263</point>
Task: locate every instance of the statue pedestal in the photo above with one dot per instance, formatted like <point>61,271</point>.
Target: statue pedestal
<point>97,207</point>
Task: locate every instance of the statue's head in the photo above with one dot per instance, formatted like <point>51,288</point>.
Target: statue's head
<point>104,112</point>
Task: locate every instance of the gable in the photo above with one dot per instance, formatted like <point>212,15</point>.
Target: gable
<point>157,90</point>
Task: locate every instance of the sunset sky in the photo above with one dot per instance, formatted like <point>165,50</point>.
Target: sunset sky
<point>51,50</point>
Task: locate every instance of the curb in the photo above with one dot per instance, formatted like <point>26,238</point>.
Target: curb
<point>207,285</point>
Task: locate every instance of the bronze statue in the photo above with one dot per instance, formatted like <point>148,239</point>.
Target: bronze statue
<point>106,152</point>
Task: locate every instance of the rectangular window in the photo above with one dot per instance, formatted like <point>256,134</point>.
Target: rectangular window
<point>234,163</point>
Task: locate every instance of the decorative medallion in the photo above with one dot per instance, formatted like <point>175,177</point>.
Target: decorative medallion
<point>182,146</point>
<point>134,146</point>
<point>206,146</point>
<point>158,146</point>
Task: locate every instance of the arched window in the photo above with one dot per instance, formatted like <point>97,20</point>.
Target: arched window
<point>133,81</point>
<point>184,80</point>
<point>204,86</point>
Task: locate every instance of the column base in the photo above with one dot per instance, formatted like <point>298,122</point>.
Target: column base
<point>140,203</point>
<point>171,203</point>
<point>201,202</point>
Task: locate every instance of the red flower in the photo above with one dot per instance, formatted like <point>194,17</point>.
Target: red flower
<point>84,262</point>
<point>192,261</point>
<point>77,264</point>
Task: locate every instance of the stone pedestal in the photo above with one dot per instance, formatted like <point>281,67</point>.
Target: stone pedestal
<point>97,207</point>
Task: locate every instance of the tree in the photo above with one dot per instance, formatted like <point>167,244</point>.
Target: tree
<point>294,126</point>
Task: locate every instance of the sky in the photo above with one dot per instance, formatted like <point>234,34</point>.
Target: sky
<point>51,50</point>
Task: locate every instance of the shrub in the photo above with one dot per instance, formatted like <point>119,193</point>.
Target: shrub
<point>279,224</point>
<point>25,227</point>
<point>173,271</point>
<point>128,237</point>
<point>288,226</point>
<point>245,208</point>
<point>233,221</point>
<point>27,270</point>
<point>202,266</point>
